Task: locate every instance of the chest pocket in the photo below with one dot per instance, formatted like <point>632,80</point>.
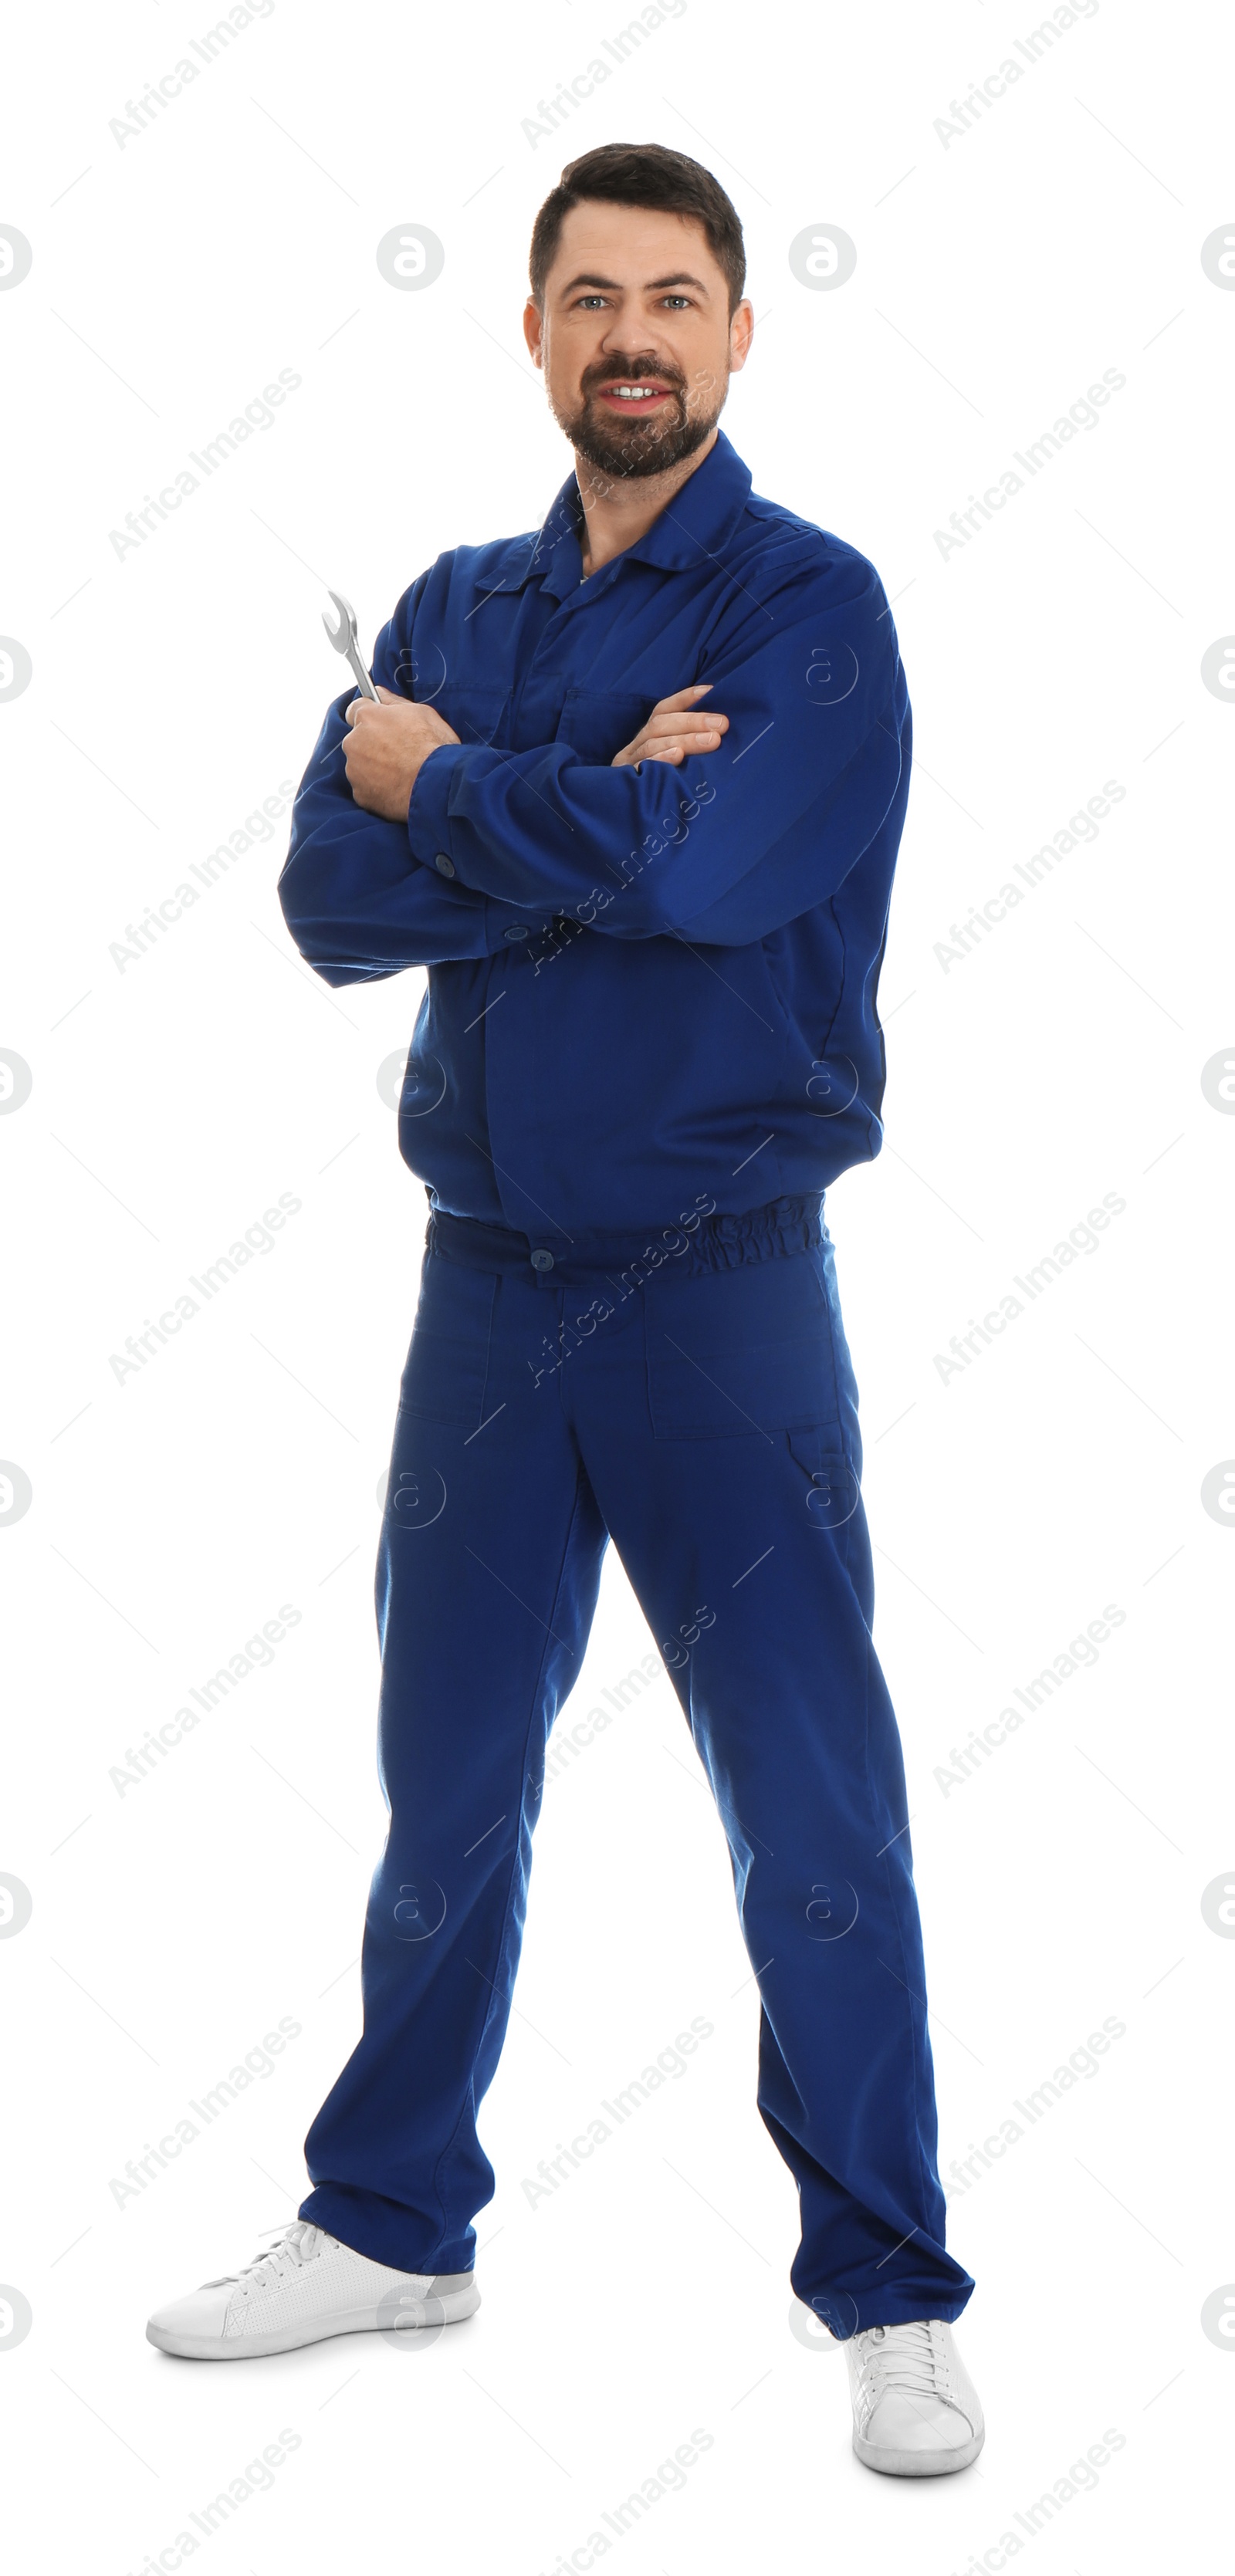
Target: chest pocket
<point>475,713</point>
<point>597,723</point>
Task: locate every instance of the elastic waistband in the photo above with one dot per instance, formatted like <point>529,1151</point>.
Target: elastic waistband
<point>704,1239</point>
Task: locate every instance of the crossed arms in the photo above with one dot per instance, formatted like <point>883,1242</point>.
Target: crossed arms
<point>784,791</point>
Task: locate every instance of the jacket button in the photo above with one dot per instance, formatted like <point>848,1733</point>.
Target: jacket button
<point>515,931</point>
<point>542,1261</point>
<point>445,867</point>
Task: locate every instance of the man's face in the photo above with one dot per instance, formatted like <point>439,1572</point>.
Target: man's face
<point>635,338</point>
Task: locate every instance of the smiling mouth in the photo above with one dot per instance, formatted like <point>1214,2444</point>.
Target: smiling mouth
<point>633,396</point>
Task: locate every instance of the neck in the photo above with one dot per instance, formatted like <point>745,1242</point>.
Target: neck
<point>617,514</point>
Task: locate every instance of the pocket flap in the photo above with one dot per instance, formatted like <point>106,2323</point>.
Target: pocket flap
<point>834,1489</point>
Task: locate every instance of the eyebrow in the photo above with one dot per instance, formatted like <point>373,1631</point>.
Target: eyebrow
<point>655,285</point>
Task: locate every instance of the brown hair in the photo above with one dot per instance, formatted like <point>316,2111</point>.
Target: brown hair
<point>642,174</point>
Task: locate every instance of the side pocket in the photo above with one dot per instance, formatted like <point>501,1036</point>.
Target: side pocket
<point>833,1493</point>
<point>741,1353</point>
<point>448,1362</point>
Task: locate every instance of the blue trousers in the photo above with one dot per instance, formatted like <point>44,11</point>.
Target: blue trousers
<point>690,1397</point>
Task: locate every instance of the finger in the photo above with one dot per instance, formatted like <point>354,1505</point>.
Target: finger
<point>682,698</point>
<point>678,742</point>
<point>684,726</point>
<point>389,697</point>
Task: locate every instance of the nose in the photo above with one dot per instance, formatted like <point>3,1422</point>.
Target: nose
<point>630,338</point>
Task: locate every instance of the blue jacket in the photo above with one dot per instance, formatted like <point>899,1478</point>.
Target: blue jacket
<point>647,989</point>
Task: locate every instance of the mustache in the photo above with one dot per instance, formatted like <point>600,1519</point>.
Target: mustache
<point>610,371</point>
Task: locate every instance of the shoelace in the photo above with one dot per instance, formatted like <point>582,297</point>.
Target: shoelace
<point>297,2245</point>
<point>903,2358</point>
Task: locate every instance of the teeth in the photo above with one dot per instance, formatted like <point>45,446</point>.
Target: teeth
<point>635,393</point>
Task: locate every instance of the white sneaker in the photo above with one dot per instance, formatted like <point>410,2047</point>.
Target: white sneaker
<point>916,2412</point>
<point>306,2287</point>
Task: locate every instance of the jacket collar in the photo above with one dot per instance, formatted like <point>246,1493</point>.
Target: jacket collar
<point>696,524</point>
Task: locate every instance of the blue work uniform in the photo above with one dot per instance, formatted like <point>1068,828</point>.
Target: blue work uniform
<point>649,1041</point>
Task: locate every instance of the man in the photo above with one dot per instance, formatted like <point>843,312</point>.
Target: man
<point>633,794</point>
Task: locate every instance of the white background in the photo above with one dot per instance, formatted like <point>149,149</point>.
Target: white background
<point>173,1514</point>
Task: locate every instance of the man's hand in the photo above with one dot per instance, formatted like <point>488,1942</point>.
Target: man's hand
<point>386,750</point>
<point>675,728</point>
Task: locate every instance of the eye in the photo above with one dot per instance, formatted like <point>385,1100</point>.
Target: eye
<point>680,301</point>
<point>588,303</point>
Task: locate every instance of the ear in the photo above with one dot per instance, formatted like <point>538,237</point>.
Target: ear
<point>741,333</point>
<point>534,331</point>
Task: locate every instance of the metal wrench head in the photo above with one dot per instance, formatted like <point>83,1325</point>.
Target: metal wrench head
<point>342,636</point>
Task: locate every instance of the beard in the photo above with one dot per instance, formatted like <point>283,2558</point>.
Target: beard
<point>635,448</point>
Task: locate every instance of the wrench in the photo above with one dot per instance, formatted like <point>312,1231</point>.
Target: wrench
<point>343,638</point>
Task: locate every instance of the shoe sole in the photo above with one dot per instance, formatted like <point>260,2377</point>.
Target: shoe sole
<point>454,2306</point>
<point>919,2464</point>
